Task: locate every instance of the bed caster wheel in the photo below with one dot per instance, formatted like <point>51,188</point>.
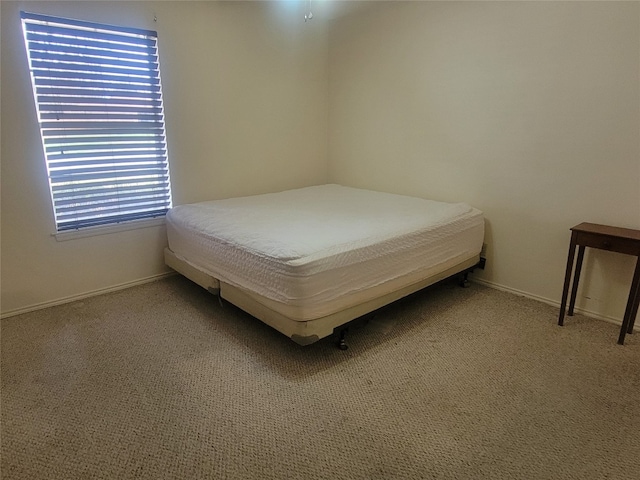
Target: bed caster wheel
<point>342,344</point>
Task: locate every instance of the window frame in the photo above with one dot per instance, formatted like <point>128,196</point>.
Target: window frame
<point>98,96</point>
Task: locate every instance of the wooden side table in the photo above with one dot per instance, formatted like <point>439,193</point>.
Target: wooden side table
<point>604,237</point>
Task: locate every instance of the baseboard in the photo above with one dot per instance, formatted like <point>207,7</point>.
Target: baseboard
<point>548,301</point>
<point>82,296</point>
<point>153,278</point>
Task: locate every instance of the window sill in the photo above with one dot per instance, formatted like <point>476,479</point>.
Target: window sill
<point>107,229</point>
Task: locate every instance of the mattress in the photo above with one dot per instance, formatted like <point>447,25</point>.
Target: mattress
<point>314,251</point>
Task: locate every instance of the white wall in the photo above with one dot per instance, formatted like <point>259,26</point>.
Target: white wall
<point>526,110</point>
<point>245,88</point>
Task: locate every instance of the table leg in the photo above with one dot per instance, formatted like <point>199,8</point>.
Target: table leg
<point>632,304</point>
<point>576,279</point>
<point>634,313</point>
<point>567,278</point>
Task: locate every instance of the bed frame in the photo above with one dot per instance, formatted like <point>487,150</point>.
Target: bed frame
<point>310,331</point>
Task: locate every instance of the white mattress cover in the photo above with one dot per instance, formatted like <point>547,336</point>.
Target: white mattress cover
<point>320,249</point>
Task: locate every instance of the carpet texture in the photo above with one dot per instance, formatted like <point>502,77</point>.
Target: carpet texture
<point>162,382</point>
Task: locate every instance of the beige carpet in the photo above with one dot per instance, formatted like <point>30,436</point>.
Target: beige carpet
<point>160,381</point>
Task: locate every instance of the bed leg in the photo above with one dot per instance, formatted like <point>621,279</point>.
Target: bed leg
<point>464,280</point>
<point>342,344</point>
<point>218,293</point>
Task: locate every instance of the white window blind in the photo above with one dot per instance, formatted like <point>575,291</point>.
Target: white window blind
<point>98,94</point>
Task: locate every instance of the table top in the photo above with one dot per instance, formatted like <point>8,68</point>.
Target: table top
<point>619,232</point>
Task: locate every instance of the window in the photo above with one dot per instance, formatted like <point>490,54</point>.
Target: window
<point>98,94</point>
